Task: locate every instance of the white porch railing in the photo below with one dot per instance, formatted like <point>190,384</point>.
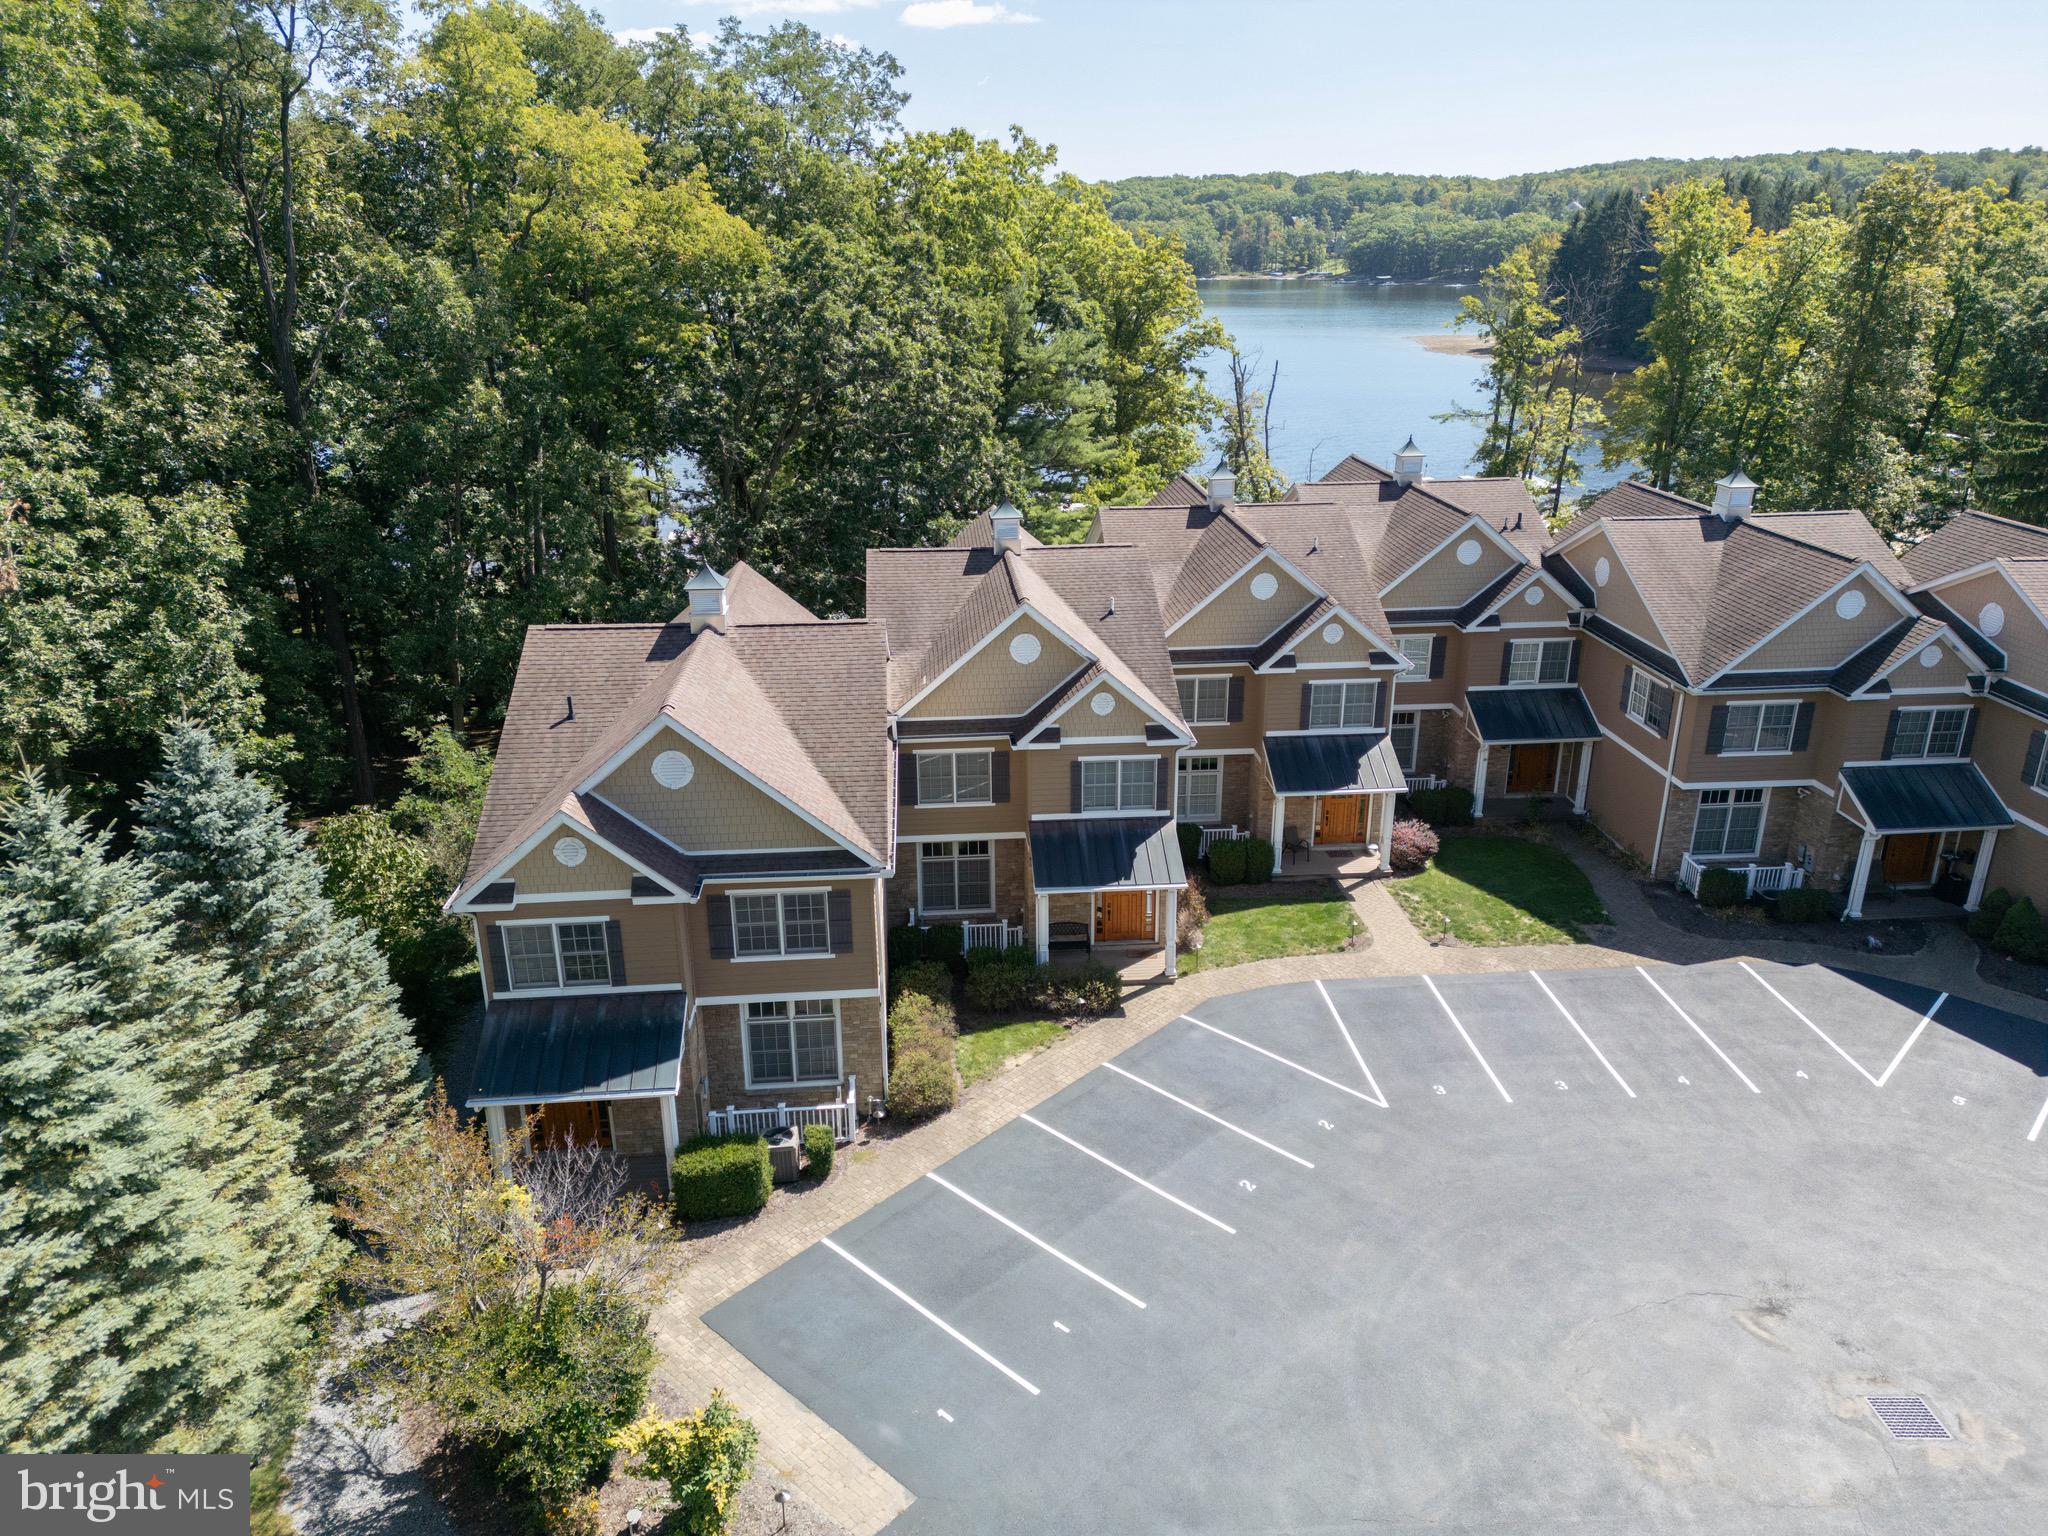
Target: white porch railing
<point>1218,835</point>
<point>1757,879</point>
<point>842,1115</point>
<point>1000,934</point>
<point>1425,781</point>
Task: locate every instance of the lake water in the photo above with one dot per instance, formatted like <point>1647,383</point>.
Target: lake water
<point>1353,378</point>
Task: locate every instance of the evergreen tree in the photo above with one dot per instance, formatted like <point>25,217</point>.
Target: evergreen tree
<point>325,1024</point>
<point>150,1215</point>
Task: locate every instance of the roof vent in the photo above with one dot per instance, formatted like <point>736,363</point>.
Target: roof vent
<point>1008,525</point>
<point>1407,463</point>
<point>1733,494</point>
<point>1222,488</point>
<point>707,591</point>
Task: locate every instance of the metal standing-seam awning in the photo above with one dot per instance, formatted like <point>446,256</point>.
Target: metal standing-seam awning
<point>604,1046</point>
<point>1337,763</point>
<point>1105,853</point>
<point>1513,716</point>
<point>1896,798</point>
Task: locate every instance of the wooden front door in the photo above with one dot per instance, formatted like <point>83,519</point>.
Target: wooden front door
<point>1532,768</point>
<point>1909,860</point>
<point>1123,917</point>
<point>556,1124</point>
<point>1340,819</point>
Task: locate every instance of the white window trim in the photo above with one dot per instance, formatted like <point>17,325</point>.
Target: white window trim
<point>1957,756</point>
<point>1763,816</point>
<point>1121,809</point>
<point>1538,681</point>
<point>1198,678</point>
<point>1401,643</point>
<point>1760,705</point>
<point>1648,684</point>
<point>1183,771</point>
<point>1372,705</point>
<point>926,910</point>
<point>561,988</point>
<point>2039,783</point>
<point>782,924</point>
<point>838,1046</point>
<point>952,755</point>
<point>1414,718</point>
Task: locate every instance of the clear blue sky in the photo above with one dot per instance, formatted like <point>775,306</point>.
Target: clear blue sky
<point>1130,87</point>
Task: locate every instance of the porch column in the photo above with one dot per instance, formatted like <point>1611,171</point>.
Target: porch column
<point>494,1127</point>
<point>1044,929</point>
<point>1585,772</point>
<point>1861,879</point>
<point>1169,910</point>
<point>1479,783</point>
<point>1982,872</point>
<point>669,1138</point>
<point>1279,828</point>
<point>1386,828</point>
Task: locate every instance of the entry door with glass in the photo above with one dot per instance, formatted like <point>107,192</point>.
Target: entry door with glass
<point>1123,917</point>
<point>1340,819</point>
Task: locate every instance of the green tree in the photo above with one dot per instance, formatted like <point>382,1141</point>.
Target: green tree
<point>1527,340</point>
<point>1247,416</point>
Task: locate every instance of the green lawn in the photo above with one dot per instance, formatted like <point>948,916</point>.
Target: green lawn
<point>1501,890</point>
<point>981,1052</point>
<point>1266,921</point>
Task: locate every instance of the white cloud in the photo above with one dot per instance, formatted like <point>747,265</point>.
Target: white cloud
<point>640,34</point>
<point>962,13</point>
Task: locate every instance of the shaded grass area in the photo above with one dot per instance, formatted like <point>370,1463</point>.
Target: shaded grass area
<point>1266,922</point>
<point>981,1052</point>
<point>266,1495</point>
<point>1501,890</point>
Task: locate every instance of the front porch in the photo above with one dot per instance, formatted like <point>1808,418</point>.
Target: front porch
<point>1534,743</point>
<point>1333,801</point>
<point>1929,830</point>
<point>1107,886</point>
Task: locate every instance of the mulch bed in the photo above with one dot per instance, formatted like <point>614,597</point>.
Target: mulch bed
<point>1676,909</point>
<point>2020,976</point>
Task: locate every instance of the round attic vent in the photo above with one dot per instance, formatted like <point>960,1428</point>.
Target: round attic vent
<point>1849,604</point>
<point>1931,657</point>
<point>1264,585</point>
<point>1601,571</point>
<point>1990,619</point>
<point>1103,703</point>
<point>1024,650</point>
<point>1332,633</point>
<point>569,852</point>
<point>1468,552</point>
<point>672,770</point>
<point>1533,596</point>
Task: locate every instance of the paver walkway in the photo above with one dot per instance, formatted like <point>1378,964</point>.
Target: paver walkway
<point>801,1448</point>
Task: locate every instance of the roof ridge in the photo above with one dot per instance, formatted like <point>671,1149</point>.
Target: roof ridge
<point>1819,549</point>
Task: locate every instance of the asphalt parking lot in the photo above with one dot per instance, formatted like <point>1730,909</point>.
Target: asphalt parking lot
<point>1600,1251</point>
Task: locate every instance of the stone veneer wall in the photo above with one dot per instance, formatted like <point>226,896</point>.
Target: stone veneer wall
<point>1012,883</point>
<point>1789,821</point>
<point>725,1063</point>
<point>636,1127</point>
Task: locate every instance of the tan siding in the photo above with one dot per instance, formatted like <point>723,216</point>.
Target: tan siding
<point>827,973</point>
<point>2019,862</point>
<point>1235,617</point>
<point>649,935</point>
<point>716,811</point>
<point>1417,687</point>
<point>993,685</point>
<point>1049,780</point>
<point>1547,609</point>
<point>1600,673</point>
<point>2022,639</point>
<point>1245,733</point>
<point>1441,582</point>
<point>539,873</point>
<point>1618,602</point>
<point>1080,722</point>
<point>1282,703</point>
<point>1948,671</point>
<point>1622,798</point>
<point>969,820</point>
<point>1821,639</point>
<point>1351,646</point>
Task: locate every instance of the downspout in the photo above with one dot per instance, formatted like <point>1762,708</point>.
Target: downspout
<point>1670,757</point>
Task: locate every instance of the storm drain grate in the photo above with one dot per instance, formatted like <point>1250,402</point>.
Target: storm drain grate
<point>1908,1418</point>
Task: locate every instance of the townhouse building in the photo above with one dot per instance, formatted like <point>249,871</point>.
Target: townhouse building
<point>697,833</point>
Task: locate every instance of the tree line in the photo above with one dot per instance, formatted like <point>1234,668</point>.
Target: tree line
<point>333,356</point>
<point>1892,357</point>
<point>1424,226</point>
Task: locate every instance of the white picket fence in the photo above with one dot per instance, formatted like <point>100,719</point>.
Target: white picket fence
<point>842,1115</point>
<point>1758,879</point>
<point>1425,781</point>
<point>1218,835</point>
<point>1000,934</point>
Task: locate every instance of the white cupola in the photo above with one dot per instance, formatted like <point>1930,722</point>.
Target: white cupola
<point>1407,463</point>
<point>1734,493</point>
<point>707,591</point>
<point>1008,526</point>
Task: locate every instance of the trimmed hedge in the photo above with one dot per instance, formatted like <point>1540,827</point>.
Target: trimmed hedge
<point>1983,923</point>
<point>922,1081</point>
<point>1258,860</point>
<point>2021,933</point>
<point>1802,904</point>
<point>999,980</point>
<point>1226,861</point>
<point>1190,837</point>
<point>1413,845</point>
<point>1089,992</point>
<point>719,1176</point>
<point>1450,806</point>
<point>927,978</point>
<point>909,944</point>
<point>1722,888</point>
<point>818,1151</point>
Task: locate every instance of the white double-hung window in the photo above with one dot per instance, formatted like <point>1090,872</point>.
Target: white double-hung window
<point>1417,649</point>
<point>793,1044</point>
<point>1539,661</point>
<point>1730,823</point>
<point>551,956</point>
<point>1930,733</point>
<point>953,778</point>
<point>780,923</point>
<point>956,877</point>
<point>1342,706</point>
<point>1759,728</point>
<point>1200,789</point>
<point>1119,783</point>
<point>1405,731</point>
<point>1205,700</point>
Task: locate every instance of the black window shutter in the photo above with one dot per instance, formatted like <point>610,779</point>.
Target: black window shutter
<point>1717,730</point>
<point>999,777</point>
<point>1436,655</point>
<point>1306,688</point>
<point>2032,769</point>
<point>840,905</point>
<point>501,973</point>
<point>1628,683</point>
<point>1969,733</point>
<point>1162,794</point>
<point>906,778</point>
<point>1572,673</point>
<point>1383,701</point>
<point>1891,733</point>
<point>615,950</point>
<point>718,915</point>
<point>1235,712</point>
<point>1507,658</point>
<point>1802,727</point>
<point>1074,784</point>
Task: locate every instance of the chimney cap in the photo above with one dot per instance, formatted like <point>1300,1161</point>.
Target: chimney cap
<point>706,580</point>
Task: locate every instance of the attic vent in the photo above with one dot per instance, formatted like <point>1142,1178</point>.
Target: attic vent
<point>1908,1418</point>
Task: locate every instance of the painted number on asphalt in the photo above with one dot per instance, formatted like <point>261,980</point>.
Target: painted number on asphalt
<point>1246,1185</point>
<point>1326,1125</point>
<point>1562,1086</point>
<point>1439,1087</point>
<point>1800,1073</point>
<point>1960,1099</point>
<point>1685,1080</point>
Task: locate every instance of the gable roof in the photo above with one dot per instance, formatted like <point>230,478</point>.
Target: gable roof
<point>1846,533</point>
<point>980,533</point>
<point>1183,490</point>
<point>1351,470</point>
<point>1971,538</point>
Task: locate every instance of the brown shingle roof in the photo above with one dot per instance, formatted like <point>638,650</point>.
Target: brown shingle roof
<point>1351,469</point>
<point>1219,552</point>
<point>980,533</point>
<point>1505,504</point>
<point>1847,533</point>
<point>1183,490</point>
<point>1971,538</point>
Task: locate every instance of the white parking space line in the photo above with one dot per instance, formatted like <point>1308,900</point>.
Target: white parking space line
<point>1036,1241</point>
<point>1582,1033</point>
<point>1380,1098</point>
<point>1461,1030</point>
<point>1925,1019</point>
<point>1119,1168</point>
<point>928,1314</point>
<point>1235,1040</point>
<point>1752,1087</point>
<point>1802,1018</point>
<point>1206,1115</point>
<point>2039,1120</point>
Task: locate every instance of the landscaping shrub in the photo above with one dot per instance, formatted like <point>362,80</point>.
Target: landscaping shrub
<point>1450,806</point>
<point>1190,837</point>
<point>998,980</point>
<point>1193,914</point>
<point>1258,860</point>
<point>704,1458</point>
<point>1089,992</point>
<point>1722,888</point>
<point>722,1176</point>
<point>2020,932</point>
<point>905,945</point>
<point>819,1149</point>
<point>921,1078</point>
<point>927,978</point>
<point>1804,904</point>
<point>909,944</point>
<point>913,1011</point>
<point>1226,861</point>
<point>1983,923</point>
<point>580,1516</point>
<point>1413,845</point>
